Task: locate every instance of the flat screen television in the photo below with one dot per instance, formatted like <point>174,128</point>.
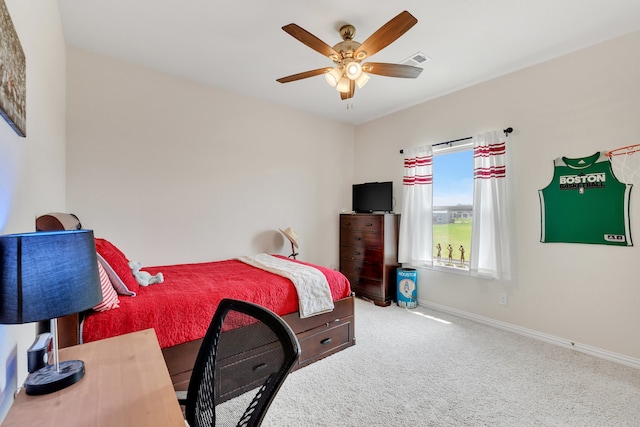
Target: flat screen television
<point>373,197</point>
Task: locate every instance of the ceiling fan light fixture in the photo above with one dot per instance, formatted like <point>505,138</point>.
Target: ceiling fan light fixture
<point>362,80</point>
<point>333,76</point>
<point>343,85</point>
<point>360,56</point>
<point>353,70</point>
<point>349,69</point>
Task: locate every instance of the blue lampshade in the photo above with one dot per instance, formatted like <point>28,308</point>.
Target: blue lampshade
<point>46,275</point>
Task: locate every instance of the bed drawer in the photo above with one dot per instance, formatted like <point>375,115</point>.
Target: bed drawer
<point>325,340</point>
<point>237,372</point>
<point>245,371</point>
<point>180,360</point>
<point>311,332</point>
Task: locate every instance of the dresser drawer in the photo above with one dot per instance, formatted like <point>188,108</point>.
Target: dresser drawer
<point>358,268</point>
<point>322,341</point>
<point>368,255</point>
<point>370,223</point>
<point>360,238</point>
<point>370,288</point>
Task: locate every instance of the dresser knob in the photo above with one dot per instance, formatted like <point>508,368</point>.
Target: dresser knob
<point>326,341</point>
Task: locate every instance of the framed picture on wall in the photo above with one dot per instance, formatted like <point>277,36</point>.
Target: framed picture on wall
<point>13,75</point>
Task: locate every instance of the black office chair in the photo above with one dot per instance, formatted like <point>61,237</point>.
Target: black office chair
<point>247,353</point>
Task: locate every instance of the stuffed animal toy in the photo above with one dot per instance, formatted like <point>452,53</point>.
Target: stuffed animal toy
<point>142,277</point>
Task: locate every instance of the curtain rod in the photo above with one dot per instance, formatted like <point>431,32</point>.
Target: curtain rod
<point>506,131</point>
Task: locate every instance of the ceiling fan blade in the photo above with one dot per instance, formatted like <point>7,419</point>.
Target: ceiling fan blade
<point>392,70</point>
<point>304,75</point>
<point>310,40</point>
<point>387,34</point>
<point>350,93</point>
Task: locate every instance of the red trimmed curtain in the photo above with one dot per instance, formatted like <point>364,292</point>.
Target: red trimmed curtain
<point>416,233</point>
<point>490,241</point>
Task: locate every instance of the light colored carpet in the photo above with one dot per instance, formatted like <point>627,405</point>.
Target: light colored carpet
<point>420,367</point>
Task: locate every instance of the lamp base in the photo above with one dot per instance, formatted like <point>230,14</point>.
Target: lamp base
<point>47,380</point>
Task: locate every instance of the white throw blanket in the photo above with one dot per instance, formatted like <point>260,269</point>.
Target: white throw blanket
<point>314,295</point>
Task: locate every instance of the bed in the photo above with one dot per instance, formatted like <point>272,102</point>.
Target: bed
<point>180,309</point>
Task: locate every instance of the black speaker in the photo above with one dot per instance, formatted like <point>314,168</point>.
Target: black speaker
<point>38,355</point>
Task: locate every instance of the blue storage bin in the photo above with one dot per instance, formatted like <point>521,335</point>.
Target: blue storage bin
<point>407,279</point>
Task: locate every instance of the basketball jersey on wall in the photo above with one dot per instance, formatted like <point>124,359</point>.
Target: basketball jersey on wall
<point>585,203</point>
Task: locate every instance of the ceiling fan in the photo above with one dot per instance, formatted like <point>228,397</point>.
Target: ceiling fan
<point>348,55</point>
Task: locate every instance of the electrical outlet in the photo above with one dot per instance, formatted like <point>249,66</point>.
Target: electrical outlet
<point>502,298</point>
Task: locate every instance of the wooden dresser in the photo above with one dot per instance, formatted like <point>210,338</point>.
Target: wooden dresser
<point>369,254</point>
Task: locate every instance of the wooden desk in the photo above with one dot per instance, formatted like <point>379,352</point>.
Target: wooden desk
<point>126,384</point>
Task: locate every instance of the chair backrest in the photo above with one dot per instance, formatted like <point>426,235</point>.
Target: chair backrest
<point>248,352</point>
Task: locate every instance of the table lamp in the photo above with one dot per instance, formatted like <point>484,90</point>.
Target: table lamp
<point>43,276</point>
<point>293,238</point>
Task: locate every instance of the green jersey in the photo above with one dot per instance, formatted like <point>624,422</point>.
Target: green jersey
<point>585,203</point>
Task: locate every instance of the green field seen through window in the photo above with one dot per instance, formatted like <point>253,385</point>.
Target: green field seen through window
<point>454,234</point>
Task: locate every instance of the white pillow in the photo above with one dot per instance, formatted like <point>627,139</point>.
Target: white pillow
<point>117,283</point>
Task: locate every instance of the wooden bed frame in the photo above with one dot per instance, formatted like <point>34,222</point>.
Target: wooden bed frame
<point>319,336</point>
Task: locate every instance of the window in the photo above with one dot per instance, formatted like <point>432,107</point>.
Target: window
<point>452,206</point>
<point>478,218</point>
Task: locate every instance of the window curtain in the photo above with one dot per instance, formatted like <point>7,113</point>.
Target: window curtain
<point>490,242</point>
<point>416,234</point>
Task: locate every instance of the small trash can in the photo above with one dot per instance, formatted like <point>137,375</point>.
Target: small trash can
<point>407,279</point>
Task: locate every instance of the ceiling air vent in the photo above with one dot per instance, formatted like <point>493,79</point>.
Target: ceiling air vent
<point>416,59</point>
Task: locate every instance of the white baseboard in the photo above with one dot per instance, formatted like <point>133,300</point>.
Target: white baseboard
<point>592,351</point>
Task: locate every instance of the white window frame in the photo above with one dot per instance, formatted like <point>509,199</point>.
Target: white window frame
<point>440,150</point>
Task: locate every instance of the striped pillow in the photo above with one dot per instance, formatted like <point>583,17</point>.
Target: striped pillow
<point>109,296</point>
<point>118,263</point>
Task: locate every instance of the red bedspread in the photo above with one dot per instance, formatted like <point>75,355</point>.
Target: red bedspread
<point>181,308</point>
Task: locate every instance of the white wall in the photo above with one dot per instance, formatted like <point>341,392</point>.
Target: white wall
<point>173,171</point>
<point>32,169</point>
<point>158,164</point>
<point>571,106</point>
